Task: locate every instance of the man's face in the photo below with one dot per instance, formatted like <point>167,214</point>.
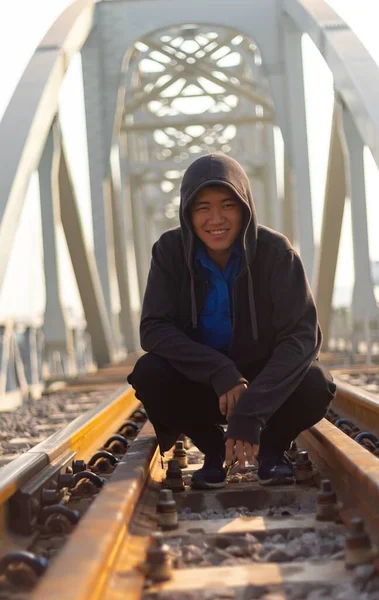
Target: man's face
<point>217,218</point>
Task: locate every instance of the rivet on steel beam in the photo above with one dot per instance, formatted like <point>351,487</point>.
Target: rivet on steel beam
<point>303,467</point>
<point>181,455</point>
<point>174,477</point>
<point>158,565</point>
<point>327,506</point>
<point>358,547</point>
<point>167,514</point>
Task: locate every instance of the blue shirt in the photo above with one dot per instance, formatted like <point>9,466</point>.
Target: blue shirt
<point>215,318</point>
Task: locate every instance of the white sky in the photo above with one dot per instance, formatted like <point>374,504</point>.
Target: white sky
<point>18,39</point>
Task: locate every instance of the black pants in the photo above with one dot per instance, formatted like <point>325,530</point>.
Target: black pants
<point>178,405</point>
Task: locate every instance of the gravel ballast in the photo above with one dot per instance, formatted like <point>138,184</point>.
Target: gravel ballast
<point>36,420</point>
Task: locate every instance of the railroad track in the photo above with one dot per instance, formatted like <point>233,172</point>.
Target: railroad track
<point>60,404</point>
<point>45,492</point>
<point>243,541</point>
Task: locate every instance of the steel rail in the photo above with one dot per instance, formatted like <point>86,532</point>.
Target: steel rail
<point>82,568</point>
<point>353,470</point>
<point>79,436</point>
<point>358,405</point>
<point>104,547</point>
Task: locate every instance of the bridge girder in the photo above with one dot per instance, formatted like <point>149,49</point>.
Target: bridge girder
<point>276,31</point>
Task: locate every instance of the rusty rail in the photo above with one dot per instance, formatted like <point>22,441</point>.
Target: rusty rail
<point>103,548</point>
<point>81,570</point>
<point>79,437</point>
<point>360,406</point>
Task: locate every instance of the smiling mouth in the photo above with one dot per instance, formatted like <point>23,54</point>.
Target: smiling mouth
<point>217,232</point>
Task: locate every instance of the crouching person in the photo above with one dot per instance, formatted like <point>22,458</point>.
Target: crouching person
<point>231,333</point>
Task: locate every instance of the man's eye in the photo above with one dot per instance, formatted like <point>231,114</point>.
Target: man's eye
<point>229,205</point>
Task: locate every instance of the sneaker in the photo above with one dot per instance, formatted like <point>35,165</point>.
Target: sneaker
<point>275,469</point>
<point>212,475</point>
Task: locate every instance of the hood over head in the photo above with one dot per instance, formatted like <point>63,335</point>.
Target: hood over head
<point>219,169</point>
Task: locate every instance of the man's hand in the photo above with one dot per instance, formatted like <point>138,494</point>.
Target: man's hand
<point>245,451</point>
<point>228,401</point>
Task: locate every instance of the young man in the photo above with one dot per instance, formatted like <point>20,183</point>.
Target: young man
<point>231,333</point>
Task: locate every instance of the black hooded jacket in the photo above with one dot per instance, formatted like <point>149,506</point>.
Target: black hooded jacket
<point>275,328</point>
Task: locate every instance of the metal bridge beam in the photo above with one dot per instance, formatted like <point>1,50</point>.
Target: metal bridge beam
<point>123,23</point>
<point>206,70</point>
<point>297,144</point>
<point>98,166</point>
<point>125,259</point>
<point>287,226</point>
<point>86,273</point>
<point>364,306</point>
<point>137,169</point>
<point>180,122</point>
<point>355,73</point>
<point>58,337</point>
<point>335,195</point>
<point>272,202</point>
<point>26,122</point>
<point>134,200</point>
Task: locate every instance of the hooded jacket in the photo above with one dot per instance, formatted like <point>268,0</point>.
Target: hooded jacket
<point>275,329</point>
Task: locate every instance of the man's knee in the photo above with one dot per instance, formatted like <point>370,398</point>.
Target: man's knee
<point>319,384</point>
<point>149,371</point>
